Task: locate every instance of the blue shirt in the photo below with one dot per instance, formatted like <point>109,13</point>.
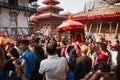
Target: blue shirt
<point>30,59</point>
<point>67,55</point>
<point>4,73</point>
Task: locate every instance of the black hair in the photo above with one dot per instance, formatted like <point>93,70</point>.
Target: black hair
<point>83,66</point>
<point>69,48</point>
<point>64,42</point>
<point>73,57</point>
<point>24,41</point>
<point>51,48</point>
<point>14,52</point>
<point>103,46</point>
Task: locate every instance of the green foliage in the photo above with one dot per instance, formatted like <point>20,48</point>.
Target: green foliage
<point>111,2</point>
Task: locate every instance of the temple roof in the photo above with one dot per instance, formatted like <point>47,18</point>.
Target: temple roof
<point>51,1</point>
<point>50,15</point>
<point>33,20</point>
<point>50,7</point>
<point>97,13</point>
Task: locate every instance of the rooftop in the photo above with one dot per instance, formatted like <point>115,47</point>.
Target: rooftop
<point>99,11</point>
<point>48,15</point>
<point>51,1</point>
<point>50,7</point>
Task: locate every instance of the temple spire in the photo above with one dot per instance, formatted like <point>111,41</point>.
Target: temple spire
<point>50,6</point>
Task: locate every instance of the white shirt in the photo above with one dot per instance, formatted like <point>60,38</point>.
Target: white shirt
<point>54,68</point>
<point>114,55</point>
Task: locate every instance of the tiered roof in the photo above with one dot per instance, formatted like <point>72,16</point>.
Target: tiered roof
<point>51,4</point>
<point>54,2</point>
<point>49,7</point>
<point>48,15</point>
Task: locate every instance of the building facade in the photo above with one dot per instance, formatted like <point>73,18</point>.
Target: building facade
<point>14,15</point>
<point>102,21</point>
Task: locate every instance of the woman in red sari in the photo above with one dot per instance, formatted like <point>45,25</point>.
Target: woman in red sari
<point>103,53</point>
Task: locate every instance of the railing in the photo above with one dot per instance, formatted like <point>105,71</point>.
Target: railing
<point>6,5</point>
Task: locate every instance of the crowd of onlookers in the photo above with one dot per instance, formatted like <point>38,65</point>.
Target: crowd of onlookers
<point>48,58</point>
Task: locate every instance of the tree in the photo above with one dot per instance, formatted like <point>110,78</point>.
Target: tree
<point>112,2</point>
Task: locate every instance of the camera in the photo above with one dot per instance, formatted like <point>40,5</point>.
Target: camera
<point>18,61</point>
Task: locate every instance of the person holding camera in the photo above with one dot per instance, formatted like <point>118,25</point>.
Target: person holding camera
<point>12,53</point>
<point>18,69</point>
<point>28,57</point>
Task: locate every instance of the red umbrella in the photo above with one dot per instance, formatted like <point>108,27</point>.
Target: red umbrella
<point>70,24</point>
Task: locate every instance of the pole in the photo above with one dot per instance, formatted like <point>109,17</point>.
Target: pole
<point>116,31</point>
<point>100,29</point>
<point>97,29</point>
<point>110,27</point>
<point>90,28</point>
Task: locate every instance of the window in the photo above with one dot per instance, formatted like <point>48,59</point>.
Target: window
<point>13,2</point>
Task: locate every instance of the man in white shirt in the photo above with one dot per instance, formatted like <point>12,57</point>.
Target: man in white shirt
<point>54,67</point>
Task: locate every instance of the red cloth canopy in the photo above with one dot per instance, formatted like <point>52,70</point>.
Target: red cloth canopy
<point>70,24</point>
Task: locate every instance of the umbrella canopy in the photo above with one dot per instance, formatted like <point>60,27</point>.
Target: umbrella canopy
<point>70,24</point>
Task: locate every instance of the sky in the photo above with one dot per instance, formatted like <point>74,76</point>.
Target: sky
<point>72,6</point>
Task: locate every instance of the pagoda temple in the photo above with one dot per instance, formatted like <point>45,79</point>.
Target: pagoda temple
<point>47,18</point>
<point>14,16</point>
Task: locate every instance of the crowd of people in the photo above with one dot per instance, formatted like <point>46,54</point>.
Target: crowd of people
<point>48,58</point>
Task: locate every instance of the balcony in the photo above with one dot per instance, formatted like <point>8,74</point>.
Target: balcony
<point>17,7</point>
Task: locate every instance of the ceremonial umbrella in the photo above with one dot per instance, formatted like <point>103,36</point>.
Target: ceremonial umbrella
<point>70,24</point>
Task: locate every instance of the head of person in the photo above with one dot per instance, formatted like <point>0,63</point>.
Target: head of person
<point>103,46</point>
<point>62,43</point>
<point>117,42</point>
<point>51,48</point>
<point>32,36</point>
<point>84,48</point>
<point>37,49</point>
<point>83,66</point>
<point>73,55</point>
<point>23,44</point>
<point>12,52</point>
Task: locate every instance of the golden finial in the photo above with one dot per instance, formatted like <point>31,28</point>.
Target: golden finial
<point>70,16</point>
